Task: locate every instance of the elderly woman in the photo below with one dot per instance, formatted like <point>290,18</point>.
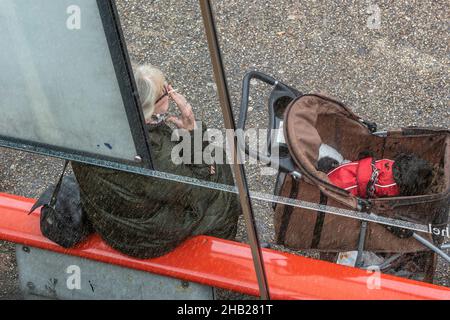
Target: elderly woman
<point>146,217</point>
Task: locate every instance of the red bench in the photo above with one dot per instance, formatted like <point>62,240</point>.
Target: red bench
<point>224,264</point>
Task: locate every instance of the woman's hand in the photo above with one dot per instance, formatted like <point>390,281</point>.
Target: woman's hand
<point>187,120</point>
<point>162,106</point>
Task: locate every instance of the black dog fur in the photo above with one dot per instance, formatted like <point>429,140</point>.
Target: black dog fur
<point>327,164</point>
<point>412,174</point>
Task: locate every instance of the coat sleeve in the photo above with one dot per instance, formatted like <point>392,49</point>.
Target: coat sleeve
<point>219,210</point>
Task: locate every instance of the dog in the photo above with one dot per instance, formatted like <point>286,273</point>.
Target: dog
<point>406,175</point>
<point>411,174</point>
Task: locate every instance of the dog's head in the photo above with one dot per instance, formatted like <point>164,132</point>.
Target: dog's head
<point>412,174</point>
<point>327,164</point>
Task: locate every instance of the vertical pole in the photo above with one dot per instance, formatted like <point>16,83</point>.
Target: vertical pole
<point>239,173</point>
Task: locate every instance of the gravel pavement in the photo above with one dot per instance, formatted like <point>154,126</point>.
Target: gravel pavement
<point>395,75</point>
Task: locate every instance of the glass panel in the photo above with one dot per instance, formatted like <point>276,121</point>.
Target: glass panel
<point>59,85</point>
<point>144,213</point>
<point>388,64</point>
<point>309,46</point>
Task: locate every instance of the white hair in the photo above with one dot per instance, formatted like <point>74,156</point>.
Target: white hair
<point>150,82</point>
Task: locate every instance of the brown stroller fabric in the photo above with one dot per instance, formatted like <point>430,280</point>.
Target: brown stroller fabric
<point>313,120</point>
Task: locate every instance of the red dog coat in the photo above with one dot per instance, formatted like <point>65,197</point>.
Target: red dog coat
<point>362,180</point>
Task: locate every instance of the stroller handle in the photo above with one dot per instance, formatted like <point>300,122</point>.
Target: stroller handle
<point>246,92</point>
<point>284,164</point>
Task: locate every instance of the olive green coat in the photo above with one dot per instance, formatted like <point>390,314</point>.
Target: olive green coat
<point>146,217</point>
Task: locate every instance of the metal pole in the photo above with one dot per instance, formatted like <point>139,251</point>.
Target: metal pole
<point>361,244</point>
<point>239,173</point>
<point>431,246</point>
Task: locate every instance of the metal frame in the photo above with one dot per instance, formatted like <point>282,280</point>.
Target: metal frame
<point>239,172</point>
<point>125,78</point>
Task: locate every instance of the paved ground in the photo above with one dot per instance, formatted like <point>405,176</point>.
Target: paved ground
<point>396,75</point>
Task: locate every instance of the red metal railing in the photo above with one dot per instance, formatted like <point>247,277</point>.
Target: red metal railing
<point>225,264</point>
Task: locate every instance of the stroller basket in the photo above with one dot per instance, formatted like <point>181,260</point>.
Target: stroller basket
<point>311,120</point>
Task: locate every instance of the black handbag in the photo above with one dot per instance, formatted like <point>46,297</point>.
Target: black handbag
<point>62,219</point>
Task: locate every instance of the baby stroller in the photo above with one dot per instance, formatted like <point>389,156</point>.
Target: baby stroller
<point>308,121</point>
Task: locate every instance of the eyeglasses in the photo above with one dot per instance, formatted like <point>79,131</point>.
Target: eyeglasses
<point>165,94</point>
<point>158,118</point>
